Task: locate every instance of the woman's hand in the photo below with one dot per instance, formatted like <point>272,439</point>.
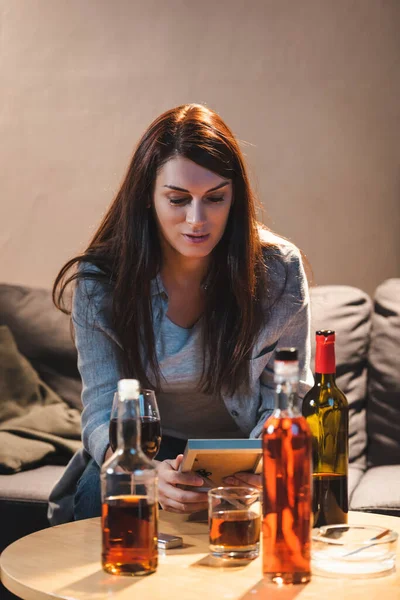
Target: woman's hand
<point>173,498</point>
<point>242,478</point>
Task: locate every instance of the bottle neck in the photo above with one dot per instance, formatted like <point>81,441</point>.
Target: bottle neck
<point>325,362</point>
<point>286,397</point>
<point>129,424</point>
<point>325,379</point>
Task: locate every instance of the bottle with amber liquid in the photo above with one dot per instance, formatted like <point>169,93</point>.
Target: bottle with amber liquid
<point>129,495</point>
<point>326,409</point>
<point>286,442</point>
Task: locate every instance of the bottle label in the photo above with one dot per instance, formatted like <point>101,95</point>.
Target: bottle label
<point>325,354</point>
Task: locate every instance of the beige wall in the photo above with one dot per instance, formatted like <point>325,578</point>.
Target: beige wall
<point>313,86</point>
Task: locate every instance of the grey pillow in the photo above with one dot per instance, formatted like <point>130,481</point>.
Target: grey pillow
<point>43,335</point>
<point>378,491</point>
<point>35,424</point>
<point>383,423</point>
<point>347,310</point>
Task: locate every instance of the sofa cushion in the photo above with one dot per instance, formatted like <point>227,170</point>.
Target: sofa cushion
<point>23,502</point>
<point>378,490</point>
<point>383,414</point>
<point>34,485</point>
<point>43,335</point>
<point>356,473</point>
<point>347,311</point>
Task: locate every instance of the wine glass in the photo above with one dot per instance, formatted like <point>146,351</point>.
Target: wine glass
<point>150,423</point>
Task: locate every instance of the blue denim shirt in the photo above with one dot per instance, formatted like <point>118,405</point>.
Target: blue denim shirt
<point>98,348</point>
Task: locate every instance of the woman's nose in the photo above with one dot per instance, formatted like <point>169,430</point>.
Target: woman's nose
<point>196,213</point>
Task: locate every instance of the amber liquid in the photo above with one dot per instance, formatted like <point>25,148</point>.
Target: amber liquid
<point>330,505</point>
<point>235,529</point>
<point>287,499</point>
<point>129,526</point>
<point>150,434</point>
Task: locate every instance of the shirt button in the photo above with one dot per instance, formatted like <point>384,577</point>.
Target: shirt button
<point>234,413</point>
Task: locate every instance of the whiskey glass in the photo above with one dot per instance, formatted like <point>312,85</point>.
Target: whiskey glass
<point>234,518</point>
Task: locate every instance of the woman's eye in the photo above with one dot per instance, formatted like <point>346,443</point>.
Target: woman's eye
<point>178,201</point>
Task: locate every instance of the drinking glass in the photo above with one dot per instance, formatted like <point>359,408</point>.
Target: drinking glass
<point>234,518</point>
<point>150,423</point>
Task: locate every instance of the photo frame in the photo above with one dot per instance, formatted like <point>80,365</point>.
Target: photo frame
<point>215,459</point>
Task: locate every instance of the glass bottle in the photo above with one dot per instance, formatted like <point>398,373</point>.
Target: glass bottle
<point>327,412</point>
<point>286,480</point>
<point>129,495</point>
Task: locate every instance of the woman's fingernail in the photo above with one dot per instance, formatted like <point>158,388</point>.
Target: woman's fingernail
<point>230,480</point>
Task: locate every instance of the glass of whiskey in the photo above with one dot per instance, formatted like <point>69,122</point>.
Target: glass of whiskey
<point>234,518</point>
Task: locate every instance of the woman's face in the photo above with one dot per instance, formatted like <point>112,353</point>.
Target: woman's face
<point>191,206</point>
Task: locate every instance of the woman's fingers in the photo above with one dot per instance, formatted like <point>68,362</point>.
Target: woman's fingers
<point>180,507</point>
<point>175,498</point>
<point>167,471</point>
<point>241,478</point>
<point>184,496</point>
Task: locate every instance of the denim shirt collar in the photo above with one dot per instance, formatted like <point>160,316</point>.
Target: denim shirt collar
<point>157,287</point>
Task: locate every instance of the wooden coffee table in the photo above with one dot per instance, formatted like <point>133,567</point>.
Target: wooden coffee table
<point>64,562</point>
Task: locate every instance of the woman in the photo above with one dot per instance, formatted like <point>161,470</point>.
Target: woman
<point>182,289</point>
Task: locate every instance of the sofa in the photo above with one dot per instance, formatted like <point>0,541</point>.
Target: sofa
<point>368,351</point>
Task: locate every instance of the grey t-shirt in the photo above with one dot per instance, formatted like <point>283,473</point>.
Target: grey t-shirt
<point>185,411</point>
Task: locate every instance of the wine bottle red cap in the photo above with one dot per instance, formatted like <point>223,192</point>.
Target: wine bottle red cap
<point>325,351</point>
<point>325,336</point>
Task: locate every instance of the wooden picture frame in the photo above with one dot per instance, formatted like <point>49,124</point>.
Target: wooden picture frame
<point>215,459</point>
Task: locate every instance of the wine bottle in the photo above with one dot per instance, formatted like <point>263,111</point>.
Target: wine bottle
<point>129,495</point>
<point>286,480</point>
<point>326,409</point>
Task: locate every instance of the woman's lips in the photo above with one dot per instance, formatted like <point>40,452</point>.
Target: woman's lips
<point>195,238</point>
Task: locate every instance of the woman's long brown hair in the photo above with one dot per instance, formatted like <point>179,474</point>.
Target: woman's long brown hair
<point>126,248</point>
